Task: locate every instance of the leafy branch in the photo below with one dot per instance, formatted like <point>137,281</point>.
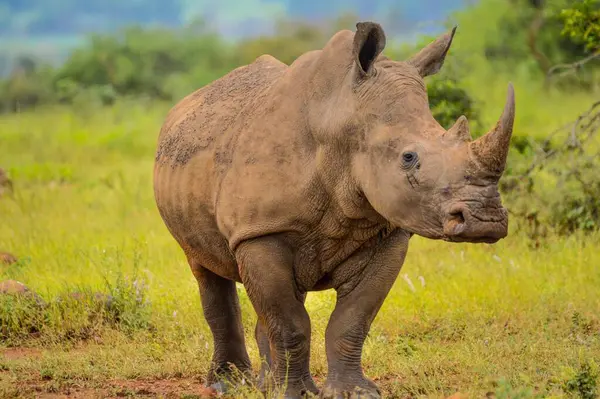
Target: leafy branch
<point>564,69</point>
<point>570,164</point>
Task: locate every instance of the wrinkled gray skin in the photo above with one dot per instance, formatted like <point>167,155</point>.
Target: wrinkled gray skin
<point>314,176</point>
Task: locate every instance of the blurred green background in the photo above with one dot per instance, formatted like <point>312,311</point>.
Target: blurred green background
<point>84,89</point>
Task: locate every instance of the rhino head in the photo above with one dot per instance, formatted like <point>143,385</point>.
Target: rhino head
<point>420,177</point>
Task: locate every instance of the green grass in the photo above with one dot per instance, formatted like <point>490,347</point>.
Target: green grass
<point>506,318</point>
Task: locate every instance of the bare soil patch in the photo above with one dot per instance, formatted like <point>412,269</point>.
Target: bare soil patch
<point>155,388</point>
<point>20,353</point>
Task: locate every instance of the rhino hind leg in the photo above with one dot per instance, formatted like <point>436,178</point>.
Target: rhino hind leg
<point>222,312</point>
<point>266,269</point>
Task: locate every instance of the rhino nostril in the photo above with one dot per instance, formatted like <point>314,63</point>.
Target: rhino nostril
<point>458,216</point>
<point>455,224</point>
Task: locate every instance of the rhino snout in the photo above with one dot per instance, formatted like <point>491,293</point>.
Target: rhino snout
<point>464,224</point>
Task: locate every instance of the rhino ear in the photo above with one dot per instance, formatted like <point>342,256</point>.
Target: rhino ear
<point>430,59</point>
<point>369,42</point>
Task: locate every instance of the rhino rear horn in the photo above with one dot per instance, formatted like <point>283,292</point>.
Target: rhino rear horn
<point>460,130</point>
<point>492,148</point>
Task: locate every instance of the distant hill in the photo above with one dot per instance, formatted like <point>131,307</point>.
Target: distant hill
<point>50,28</point>
<point>233,18</point>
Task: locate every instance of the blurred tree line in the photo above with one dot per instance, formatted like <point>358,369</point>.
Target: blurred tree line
<point>556,41</point>
<point>165,63</point>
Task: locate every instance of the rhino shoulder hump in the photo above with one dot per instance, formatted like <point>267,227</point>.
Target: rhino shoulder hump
<point>204,116</point>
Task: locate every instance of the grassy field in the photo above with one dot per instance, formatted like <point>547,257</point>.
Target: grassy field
<point>509,319</point>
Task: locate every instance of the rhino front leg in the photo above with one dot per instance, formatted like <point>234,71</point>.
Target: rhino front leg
<point>266,268</point>
<point>357,305</point>
<point>264,351</point>
<point>222,312</point>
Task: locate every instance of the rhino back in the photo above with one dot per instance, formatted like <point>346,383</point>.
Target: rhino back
<point>204,117</point>
<point>194,151</point>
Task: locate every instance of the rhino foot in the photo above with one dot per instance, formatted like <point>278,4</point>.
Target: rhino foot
<point>298,394</point>
<point>368,390</point>
<point>220,387</point>
<point>301,390</point>
<point>227,381</point>
<point>225,385</point>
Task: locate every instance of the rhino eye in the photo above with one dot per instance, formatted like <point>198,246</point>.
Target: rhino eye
<point>409,158</point>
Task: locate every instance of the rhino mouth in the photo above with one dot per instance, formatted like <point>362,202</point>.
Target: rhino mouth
<point>485,225</point>
<point>478,240</point>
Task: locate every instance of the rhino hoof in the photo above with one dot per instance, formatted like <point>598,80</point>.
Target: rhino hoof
<point>7,258</point>
<point>300,395</point>
<point>356,393</point>
<point>219,387</point>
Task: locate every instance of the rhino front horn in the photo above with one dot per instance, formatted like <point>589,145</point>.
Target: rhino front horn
<point>492,148</point>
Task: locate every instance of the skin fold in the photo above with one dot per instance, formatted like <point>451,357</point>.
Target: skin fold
<point>313,176</point>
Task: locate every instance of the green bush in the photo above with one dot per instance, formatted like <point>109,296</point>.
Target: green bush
<point>448,101</point>
<point>142,62</point>
<point>582,382</point>
<point>20,316</point>
<point>76,314</point>
<point>562,190</point>
<point>582,23</point>
<point>27,86</point>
